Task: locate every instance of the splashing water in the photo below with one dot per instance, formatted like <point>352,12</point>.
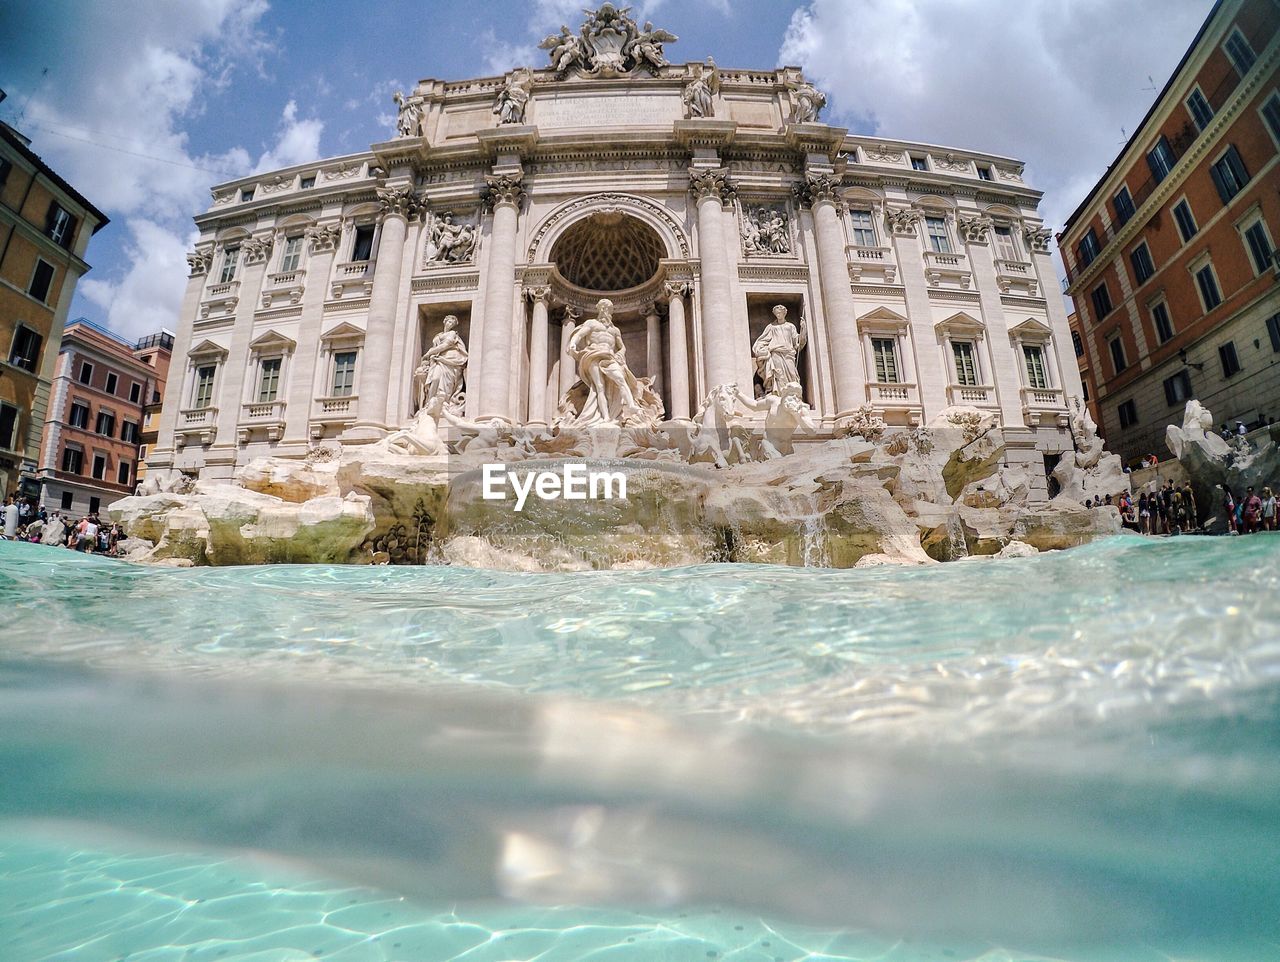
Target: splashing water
<point>1071,756</point>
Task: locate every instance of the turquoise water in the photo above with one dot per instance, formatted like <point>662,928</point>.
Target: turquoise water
<point>1074,756</point>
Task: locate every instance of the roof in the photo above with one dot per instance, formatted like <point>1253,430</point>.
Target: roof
<point>18,143</point>
<point>1151,112</point>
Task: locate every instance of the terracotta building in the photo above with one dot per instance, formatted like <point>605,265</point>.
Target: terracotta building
<point>101,387</point>
<point>155,351</point>
<point>45,226</point>
<point>1171,257</point>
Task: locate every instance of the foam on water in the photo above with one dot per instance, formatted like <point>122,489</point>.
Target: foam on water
<point>1073,754</point>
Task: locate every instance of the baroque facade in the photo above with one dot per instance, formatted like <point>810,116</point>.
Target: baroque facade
<point>696,199</point>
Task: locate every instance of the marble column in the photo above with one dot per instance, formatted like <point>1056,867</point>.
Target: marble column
<point>653,347</point>
<point>505,194</point>
<point>398,205</point>
<point>823,193</point>
<point>678,349</point>
<point>304,386</point>
<point>568,369</point>
<point>538,334</point>
<point>712,189</point>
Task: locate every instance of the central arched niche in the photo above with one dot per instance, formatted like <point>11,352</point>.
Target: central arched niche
<point>608,251</point>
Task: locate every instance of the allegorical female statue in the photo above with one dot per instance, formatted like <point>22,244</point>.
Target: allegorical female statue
<point>775,351</point>
<point>613,395</point>
<point>438,376</point>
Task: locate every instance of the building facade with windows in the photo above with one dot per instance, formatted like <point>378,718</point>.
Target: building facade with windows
<point>922,273</point>
<point>45,226</point>
<point>1171,257</point>
<point>155,351</point>
<point>101,387</point>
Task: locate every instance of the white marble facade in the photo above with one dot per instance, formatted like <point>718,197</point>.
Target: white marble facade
<point>922,274</point>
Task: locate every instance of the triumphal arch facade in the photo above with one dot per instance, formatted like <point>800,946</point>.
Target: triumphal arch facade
<point>744,245</point>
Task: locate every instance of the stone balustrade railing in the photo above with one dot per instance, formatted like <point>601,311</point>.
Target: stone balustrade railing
<point>971,393</point>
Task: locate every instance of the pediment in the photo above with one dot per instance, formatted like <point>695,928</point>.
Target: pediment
<point>1031,330</point>
<point>343,332</point>
<point>208,349</point>
<point>272,341</point>
<point>960,323</point>
<point>882,318</point>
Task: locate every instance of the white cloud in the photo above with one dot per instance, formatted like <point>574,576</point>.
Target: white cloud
<point>147,298</point>
<point>298,141</point>
<point>1048,83</point>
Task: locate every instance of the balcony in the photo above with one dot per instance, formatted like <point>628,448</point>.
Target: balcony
<point>889,398</point>
<point>287,285</point>
<point>266,416</point>
<point>353,277</point>
<point>1016,277</point>
<point>947,270</point>
<point>220,299</point>
<point>1039,403</point>
<point>332,412</point>
<point>871,265</point>
<point>200,423</point>
<point>973,395</point>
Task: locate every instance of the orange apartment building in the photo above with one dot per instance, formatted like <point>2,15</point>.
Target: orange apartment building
<point>45,226</point>
<point>101,388</point>
<point>1171,259</point>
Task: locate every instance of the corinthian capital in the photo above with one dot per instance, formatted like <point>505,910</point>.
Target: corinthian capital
<point>401,201</point>
<point>902,220</point>
<point>538,293</point>
<point>1037,238</point>
<point>673,289</point>
<point>976,228</point>
<point>712,183</point>
<point>503,189</point>
<point>818,187</point>
<point>199,261</point>
<point>324,237</point>
<point>257,249</point>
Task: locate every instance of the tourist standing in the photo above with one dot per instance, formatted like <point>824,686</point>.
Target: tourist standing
<point>1251,511</point>
<point>1144,514</point>
<point>1229,509</point>
<point>1178,513</point>
<point>1193,511</point>
<point>1268,509</point>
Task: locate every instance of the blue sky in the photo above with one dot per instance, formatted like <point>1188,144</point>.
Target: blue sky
<point>148,102</point>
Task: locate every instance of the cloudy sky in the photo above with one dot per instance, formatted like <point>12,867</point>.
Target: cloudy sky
<point>143,104</point>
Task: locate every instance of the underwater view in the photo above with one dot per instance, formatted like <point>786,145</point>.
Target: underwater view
<point>1073,756</point>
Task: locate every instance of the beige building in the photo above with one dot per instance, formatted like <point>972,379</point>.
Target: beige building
<point>695,198</point>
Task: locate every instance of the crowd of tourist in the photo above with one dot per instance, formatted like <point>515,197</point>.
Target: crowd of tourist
<point>24,521</point>
<point>1173,510</point>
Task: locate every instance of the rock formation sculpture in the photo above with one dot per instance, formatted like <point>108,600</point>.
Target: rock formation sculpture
<point>1211,462</point>
<point>785,413</point>
<point>1088,472</point>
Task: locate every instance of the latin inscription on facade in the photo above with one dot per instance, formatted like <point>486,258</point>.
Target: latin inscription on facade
<point>578,111</point>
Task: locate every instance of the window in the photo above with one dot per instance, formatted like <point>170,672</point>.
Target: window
<point>94,504</point>
<point>1241,54</point>
<point>59,225</point>
<point>129,432</point>
<point>1037,376</point>
<point>1259,245</point>
<point>1208,284</point>
<point>66,500</point>
<point>1088,248</point>
<point>79,415</point>
<point>1271,114</point>
<point>864,228</point>
<point>1273,331</point>
<point>1199,109</point>
<point>1160,159</point>
<point>1229,175</point>
<point>886,356</point>
<point>1140,258</point>
<point>8,426</point>
<point>344,373</point>
<point>269,380</point>
<point>204,386</point>
<point>937,230</point>
<point>122,472</point>
<point>362,248</point>
<point>292,254</point>
<point>1160,316</point>
<point>246,195</point>
<point>1186,222</point>
<point>142,453</point>
<point>135,392</point>
<point>41,281</point>
<point>106,424</point>
<point>229,257</point>
<point>1118,360</point>
<point>984,173</point>
<point>918,163</point>
<point>86,372</point>
<point>1123,205</point>
<point>1101,298</point>
<point>1227,355</point>
<point>72,460</point>
<point>1084,384</point>
<point>26,348</point>
<point>112,382</point>
<point>307,182</point>
<point>1128,412</point>
<point>966,363</point>
<point>1077,344</point>
<point>99,467</point>
<point>1005,246</point>
<point>1177,389</point>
